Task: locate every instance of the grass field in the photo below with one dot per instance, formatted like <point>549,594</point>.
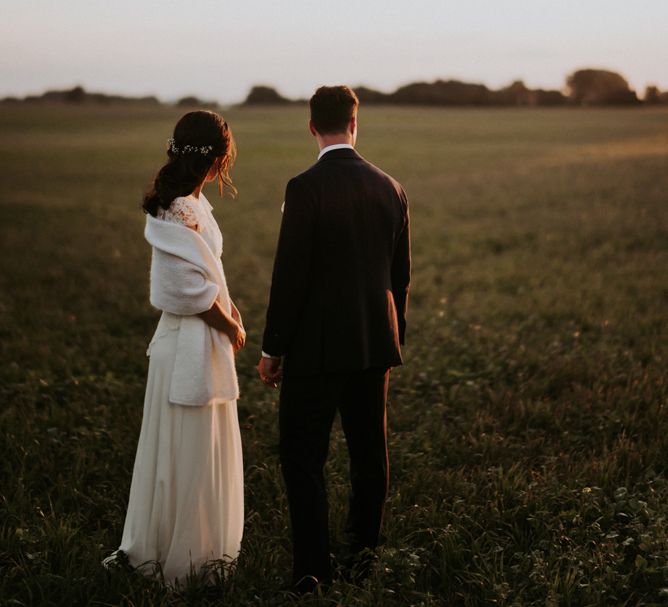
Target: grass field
<point>528,428</point>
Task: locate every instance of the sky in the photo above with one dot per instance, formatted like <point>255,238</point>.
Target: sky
<point>218,49</point>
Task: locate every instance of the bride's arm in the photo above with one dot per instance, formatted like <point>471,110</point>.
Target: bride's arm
<point>236,314</point>
<point>220,320</point>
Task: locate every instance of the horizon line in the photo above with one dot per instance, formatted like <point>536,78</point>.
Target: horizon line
<point>170,99</point>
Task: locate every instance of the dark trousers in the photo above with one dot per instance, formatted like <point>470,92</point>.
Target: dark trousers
<point>307,409</point>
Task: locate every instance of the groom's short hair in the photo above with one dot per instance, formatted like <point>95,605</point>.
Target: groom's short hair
<point>332,107</point>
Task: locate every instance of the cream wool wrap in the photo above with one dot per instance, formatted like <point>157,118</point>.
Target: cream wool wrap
<point>186,279</point>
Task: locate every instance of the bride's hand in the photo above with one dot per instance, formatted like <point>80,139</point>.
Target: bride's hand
<point>237,335</point>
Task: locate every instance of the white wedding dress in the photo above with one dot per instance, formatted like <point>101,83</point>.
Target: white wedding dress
<point>186,499</point>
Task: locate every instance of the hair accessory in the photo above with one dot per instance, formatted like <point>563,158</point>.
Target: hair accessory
<point>186,149</point>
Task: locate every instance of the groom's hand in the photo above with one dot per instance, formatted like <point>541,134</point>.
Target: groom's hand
<point>270,371</point>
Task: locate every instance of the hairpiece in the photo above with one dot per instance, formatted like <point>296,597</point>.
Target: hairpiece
<point>186,149</point>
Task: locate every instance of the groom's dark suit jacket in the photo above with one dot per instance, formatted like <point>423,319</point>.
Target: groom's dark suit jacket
<point>342,268</point>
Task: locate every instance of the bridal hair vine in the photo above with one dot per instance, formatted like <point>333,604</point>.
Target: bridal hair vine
<point>186,149</point>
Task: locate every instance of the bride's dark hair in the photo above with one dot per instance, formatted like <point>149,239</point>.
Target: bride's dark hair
<point>201,140</point>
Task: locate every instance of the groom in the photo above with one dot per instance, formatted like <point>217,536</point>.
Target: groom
<point>335,322</point>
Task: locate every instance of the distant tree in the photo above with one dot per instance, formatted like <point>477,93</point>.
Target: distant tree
<point>265,95</point>
<point>367,95</point>
<point>189,101</point>
<point>75,95</point>
<point>192,101</point>
<point>599,87</point>
<point>518,94</point>
<point>548,97</point>
<point>451,92</point>
<point>652,95</point>
<point>514,94</point>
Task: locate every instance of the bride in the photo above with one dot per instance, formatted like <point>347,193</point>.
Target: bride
<point>186,497</point>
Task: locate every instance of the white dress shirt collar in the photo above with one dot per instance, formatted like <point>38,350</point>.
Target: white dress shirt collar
<point>335,146</point>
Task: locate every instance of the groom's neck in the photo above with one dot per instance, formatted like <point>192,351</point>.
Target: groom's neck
<point>334,139</point>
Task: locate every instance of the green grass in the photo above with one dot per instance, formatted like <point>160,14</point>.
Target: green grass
<point>528,428</point>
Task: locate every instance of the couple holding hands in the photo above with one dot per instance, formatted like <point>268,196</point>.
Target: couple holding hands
<point>334,327</point>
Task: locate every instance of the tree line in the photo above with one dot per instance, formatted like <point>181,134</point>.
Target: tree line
<point>586,87</point>
<point>79,96</point>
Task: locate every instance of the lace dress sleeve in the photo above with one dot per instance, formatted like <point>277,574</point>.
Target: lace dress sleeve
<point>181,211</point>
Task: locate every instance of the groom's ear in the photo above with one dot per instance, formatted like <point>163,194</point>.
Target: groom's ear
<point>312,128</point>
<point>352,125</point>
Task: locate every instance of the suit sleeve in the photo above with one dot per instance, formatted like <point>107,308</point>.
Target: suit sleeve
<point>401,272</point>
<point>292,269</point>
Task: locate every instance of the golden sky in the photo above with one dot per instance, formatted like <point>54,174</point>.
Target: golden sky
<point>217,49</point>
